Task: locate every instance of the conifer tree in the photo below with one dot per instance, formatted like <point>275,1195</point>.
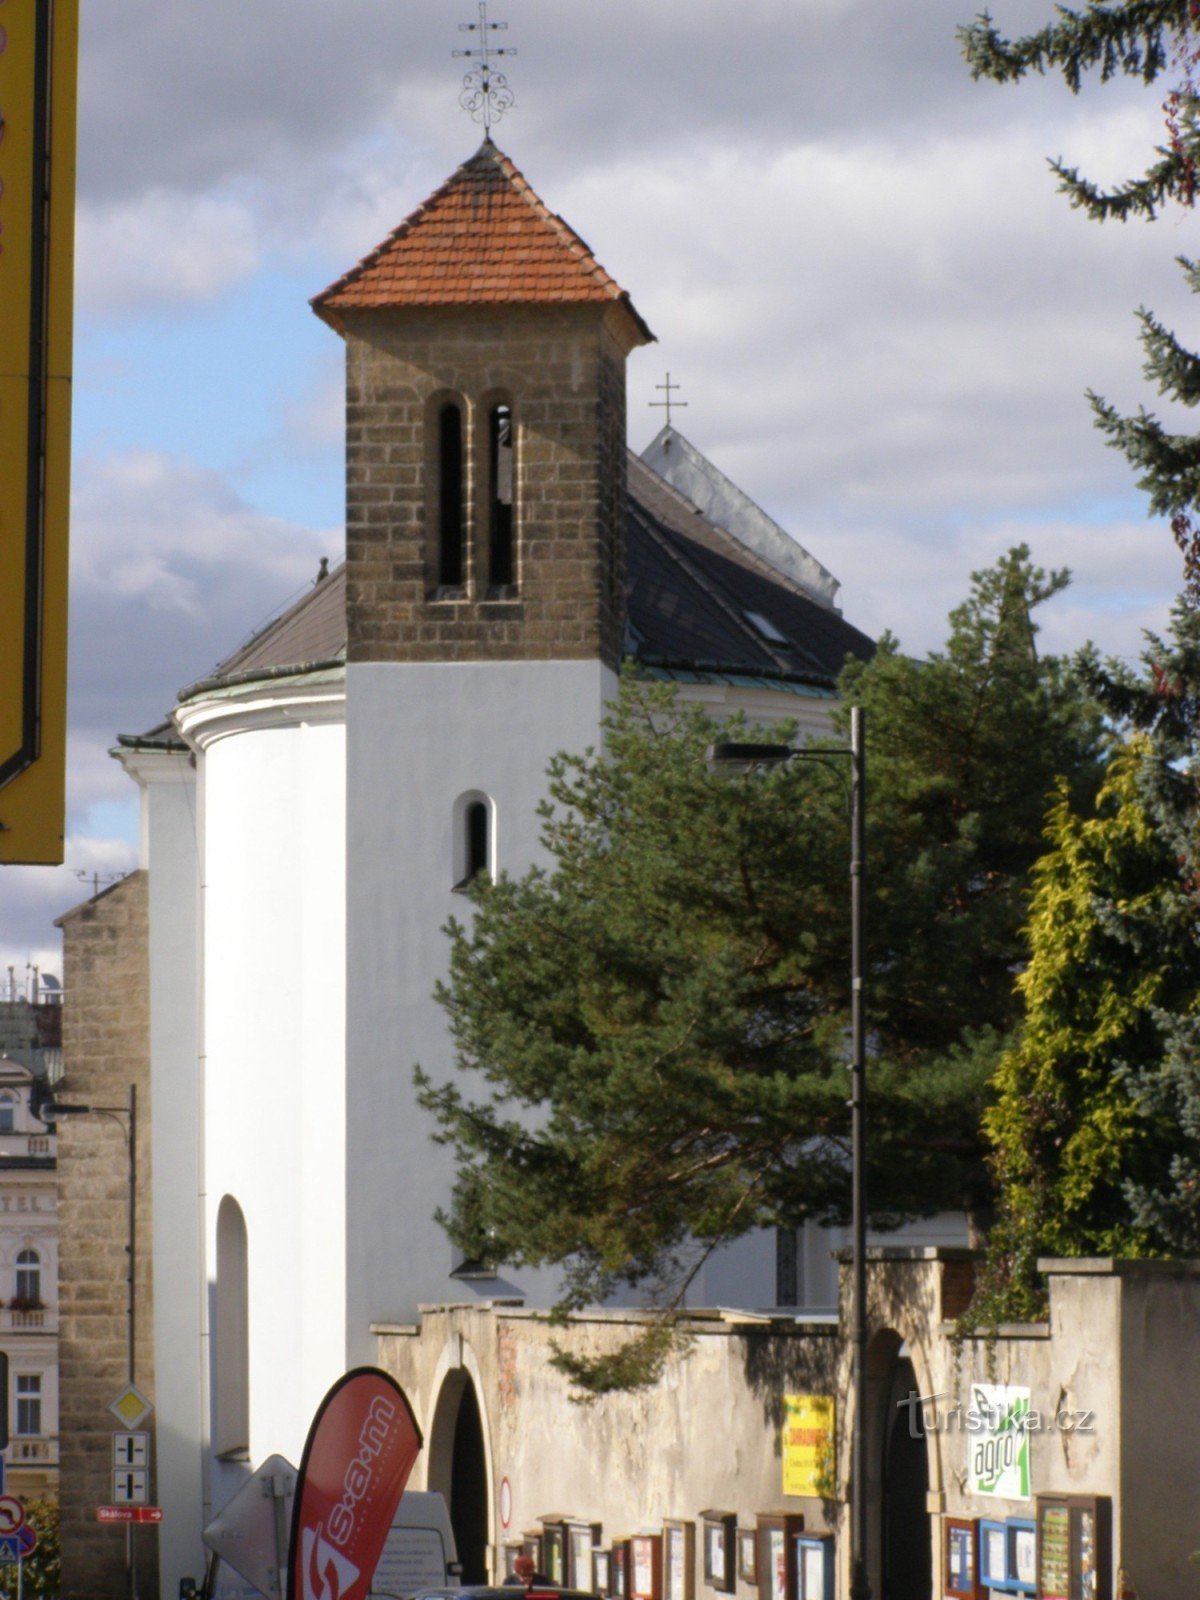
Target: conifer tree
<point>1095,1125</point>
<point>652,1029</point>
<point>1078,1120</point>
<point>1147,39</point>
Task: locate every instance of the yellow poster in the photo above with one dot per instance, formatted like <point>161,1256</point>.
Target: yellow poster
<point>38,50</point>
<point>808,1445</point>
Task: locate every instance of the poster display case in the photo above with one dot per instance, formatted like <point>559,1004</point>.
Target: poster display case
<point>679,1559</point>
<point>747,1556</point>
<point>814,1566</point>
<point>1006,1556</point>
<point>646,1566</point>
<point>618,1569</point>
<point>512,1549</point>
<point>717,1535</point>
<point>582,1537</point>
<point>777,1531</point>
<point>1074,1547</point>
<point>554,1549</point>
<point>601,1572</point>
<point>960,1559</point>
<point>531,1545</point>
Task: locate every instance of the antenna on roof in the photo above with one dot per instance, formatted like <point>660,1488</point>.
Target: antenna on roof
<point>485,93</point>
<point>680,405</point>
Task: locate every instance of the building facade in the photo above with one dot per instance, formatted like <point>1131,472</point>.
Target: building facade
<point>311,808</point>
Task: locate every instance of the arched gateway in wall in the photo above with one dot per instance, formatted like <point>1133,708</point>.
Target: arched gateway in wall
<point>458,1469</point>
<point>898,1473</point>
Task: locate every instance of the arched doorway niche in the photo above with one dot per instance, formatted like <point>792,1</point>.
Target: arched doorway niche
<point>460,1456</point>
<point>903,1467</point>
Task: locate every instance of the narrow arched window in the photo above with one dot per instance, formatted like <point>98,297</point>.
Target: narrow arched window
<point>474,845</point>
<point>477,839</point>
<point>231,1335</point>
<point>450,497</point>
<point>8,1113</point>
<point>501,555</point>
<point>29,1279</point>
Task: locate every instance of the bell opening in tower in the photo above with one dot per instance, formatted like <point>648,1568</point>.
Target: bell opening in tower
<point>450,498</point>
<point>501,563</point>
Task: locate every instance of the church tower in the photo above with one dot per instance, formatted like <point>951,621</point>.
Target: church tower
<point>485,582</point>
<point>485,431</point>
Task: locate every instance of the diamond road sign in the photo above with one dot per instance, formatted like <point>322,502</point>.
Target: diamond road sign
<point>131,1406</point>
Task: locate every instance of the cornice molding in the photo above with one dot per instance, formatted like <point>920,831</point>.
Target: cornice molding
<point>257,708</point>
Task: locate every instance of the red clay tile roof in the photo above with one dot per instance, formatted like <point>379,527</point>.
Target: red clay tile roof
<point>483,238</point>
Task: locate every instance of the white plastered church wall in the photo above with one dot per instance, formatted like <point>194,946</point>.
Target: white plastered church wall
<point>273,1037</point>
<point>419,736</point>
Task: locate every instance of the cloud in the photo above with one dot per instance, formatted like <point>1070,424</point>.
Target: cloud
<point>33,897</point>
<point>162,248</point>
<point>171,570</point>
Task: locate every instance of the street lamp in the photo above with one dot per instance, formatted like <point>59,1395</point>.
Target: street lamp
<point>743,757</point>
<point>125,1118</point>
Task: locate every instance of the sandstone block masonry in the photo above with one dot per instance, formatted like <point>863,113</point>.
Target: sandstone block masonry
<point>562,371</point>
<point>106,1048</point>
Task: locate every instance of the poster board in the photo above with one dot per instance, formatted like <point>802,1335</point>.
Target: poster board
<point>808,1445</point>
<point>1074,1547</point>
<point>718,1529</point>
<point>679,1559</point>
<point>960,1559</point>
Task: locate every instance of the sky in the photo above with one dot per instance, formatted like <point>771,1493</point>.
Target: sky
<point>882,315</point>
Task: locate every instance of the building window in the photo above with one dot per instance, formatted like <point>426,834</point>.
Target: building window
<point>501,478</point>
<point>231,1335</point>
<point>8,1113</point>
<point>473,842</point>
<point>29,1404</point>
<point>29,1280</point>
<point>787,1267</point>
<point>450,497</point>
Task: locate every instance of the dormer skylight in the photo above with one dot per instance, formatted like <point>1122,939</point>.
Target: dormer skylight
<point>766,627</point>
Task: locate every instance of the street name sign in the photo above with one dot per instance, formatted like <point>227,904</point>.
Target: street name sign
<point>129,1513</point>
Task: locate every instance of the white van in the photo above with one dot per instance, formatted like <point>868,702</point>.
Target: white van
<point>420,1552</point>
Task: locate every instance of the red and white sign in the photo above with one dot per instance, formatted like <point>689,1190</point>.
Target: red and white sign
<point>12,1514</point>
<point>129,1513</point>
<point>361,1448</point>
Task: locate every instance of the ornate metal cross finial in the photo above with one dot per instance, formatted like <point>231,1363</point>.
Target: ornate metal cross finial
<point>485,93</point>
<point>680,405</point>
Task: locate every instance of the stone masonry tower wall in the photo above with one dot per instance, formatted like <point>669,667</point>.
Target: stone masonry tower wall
<point>106,1048</point>
<point>562,370</point>
<point>485,432</point>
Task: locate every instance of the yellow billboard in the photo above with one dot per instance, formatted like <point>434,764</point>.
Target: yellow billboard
<point>39,42</point>
<point>808,1445</point>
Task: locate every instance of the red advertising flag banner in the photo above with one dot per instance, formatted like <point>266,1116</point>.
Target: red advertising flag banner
<point>360,1450</point>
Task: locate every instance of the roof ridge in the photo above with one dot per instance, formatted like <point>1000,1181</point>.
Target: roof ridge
<point>738,551</point>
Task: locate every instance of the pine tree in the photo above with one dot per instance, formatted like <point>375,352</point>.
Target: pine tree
<point>1144,39</point>
<point>653,1029</point>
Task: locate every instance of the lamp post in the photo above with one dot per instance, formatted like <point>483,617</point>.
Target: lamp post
<point>125,1118</point>
<point>745,758</point>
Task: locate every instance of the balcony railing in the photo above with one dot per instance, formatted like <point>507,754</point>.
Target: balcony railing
<point>28,1321</point>
<point>27,1450</point>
